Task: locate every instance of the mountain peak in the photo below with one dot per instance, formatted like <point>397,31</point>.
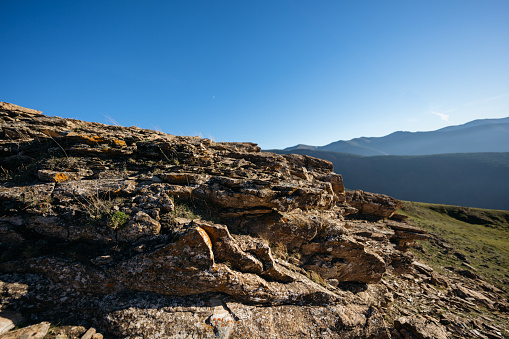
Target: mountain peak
<point>483,135</point>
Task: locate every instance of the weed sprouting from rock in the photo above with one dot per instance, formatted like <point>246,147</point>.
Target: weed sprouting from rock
<point>117,219</point>
<point>182,210</point>
<point>104,212</point>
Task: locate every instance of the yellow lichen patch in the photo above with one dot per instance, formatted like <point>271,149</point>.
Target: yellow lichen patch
<point>91,139</point>
<point>111,151</point>
<point>119,143</point>
<point>59,177</point>
<point>96,138</point>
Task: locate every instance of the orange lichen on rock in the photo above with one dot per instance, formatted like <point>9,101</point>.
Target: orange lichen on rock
<point>59,177</point>
<point>88,139</point>
<point>52,176</point>
<point>118,143</point>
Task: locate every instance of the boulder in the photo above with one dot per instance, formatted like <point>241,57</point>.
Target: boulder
<point>378,205</point>
<point>420,327</point>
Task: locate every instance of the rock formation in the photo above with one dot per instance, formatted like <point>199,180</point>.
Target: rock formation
<point>138,233</point>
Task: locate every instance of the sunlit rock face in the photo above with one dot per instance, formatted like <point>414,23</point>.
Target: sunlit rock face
<point>143,234</point>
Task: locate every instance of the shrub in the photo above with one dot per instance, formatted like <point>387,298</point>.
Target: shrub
<point>117,219</point>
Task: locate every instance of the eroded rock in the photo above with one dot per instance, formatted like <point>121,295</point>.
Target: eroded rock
<point>138,233</point>
<point>378,205</point>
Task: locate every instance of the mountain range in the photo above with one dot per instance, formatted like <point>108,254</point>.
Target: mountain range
<point>465,165</point>
<point>484,135</point>
<point>462,179</point>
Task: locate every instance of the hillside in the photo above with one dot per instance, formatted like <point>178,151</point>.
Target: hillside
<point>464,239</point>
<point>123,232</point>
<point>486,135</point>
<point>467,245</point>
<point>469,179</point>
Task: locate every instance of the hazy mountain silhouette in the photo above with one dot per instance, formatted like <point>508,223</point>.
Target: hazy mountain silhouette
<point>465,179</point>
<point>486,135</point>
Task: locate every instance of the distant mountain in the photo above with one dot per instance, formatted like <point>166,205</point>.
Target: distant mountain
<point>486,135</point>
<point>300,146</point>
<point>465,179</point>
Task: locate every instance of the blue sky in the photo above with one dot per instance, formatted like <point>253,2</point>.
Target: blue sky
<point>275,72</point>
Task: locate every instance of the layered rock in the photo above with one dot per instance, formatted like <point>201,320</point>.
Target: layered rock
<point>377,205</point>
<point>113,227</point>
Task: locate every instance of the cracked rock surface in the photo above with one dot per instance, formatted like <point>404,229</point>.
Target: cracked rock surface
<point>133,233</point>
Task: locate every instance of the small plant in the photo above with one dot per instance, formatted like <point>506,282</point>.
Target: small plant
<point>103,212</point>
<point>117,219</point>
<point>183,211</point>
<point>174,158</point>
<point>5,174</point>
<point>32,200</point>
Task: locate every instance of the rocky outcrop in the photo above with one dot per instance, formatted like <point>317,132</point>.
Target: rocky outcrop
<point>377,205</point>
<point>143,234</point>
<point>405,235</point>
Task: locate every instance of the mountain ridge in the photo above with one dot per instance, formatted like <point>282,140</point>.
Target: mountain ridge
<point>449,178</point>
<point>482,135</point>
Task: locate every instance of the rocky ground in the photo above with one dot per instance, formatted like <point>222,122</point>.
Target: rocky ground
<point>120,232</point>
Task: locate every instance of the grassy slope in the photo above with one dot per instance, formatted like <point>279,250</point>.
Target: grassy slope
<point>481,235</point>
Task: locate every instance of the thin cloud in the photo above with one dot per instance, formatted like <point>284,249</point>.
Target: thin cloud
<point>444,117</point>
<point>486,100</point>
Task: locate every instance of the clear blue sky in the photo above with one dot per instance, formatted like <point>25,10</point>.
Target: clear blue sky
<point>275,72</point>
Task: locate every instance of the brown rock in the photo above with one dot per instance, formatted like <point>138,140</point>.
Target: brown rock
<point>291,228</point>
<point>378,205</point>
<point>8,320</point>
<point>425,269</point>
<point>226,249</point>
<point>477,297</point>
<point>89,333</point>
<point>141,225</point>
<point>405,234</point>
<point>344,259</point>
<point>439,280</point>
<point>53,176</point>
<point>248,194</point>
<point>420,328</point>
<point>33,332</point>
<point>5,106</point>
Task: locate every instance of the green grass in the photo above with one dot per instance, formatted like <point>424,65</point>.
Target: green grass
<point>481,235</point>
<point>183,210</point>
